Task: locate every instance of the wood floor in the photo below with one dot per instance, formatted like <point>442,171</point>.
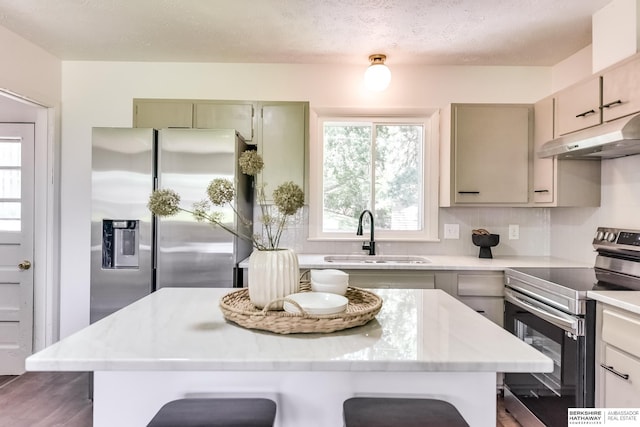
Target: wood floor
<point>60,399</point>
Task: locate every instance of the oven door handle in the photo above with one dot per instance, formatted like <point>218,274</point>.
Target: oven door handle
<point>568,323</point>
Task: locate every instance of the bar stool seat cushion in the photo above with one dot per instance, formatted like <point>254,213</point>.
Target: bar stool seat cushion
<point>396,412</point>
<point>223,412</point>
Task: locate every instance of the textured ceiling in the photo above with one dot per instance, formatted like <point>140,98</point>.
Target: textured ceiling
<point>464,32</point>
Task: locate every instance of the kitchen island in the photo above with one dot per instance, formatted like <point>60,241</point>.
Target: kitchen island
<point>175,343</point>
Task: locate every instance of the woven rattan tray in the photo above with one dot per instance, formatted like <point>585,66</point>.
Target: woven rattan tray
<point>237,308</point>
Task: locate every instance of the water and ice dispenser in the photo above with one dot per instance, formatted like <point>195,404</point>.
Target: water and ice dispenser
<point>120,243</point>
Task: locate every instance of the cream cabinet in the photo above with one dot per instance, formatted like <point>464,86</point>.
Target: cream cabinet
<point>213,114</point>
<point>485,154</point>
<point>560,182</point>
<point>238,115</point>
<point>621,90</point>
<point>578,107</point>
<point>397,279</point>
<point>617,358</point>
<point>158,114</point>
<point>283,135</point>
<point>480,290</point>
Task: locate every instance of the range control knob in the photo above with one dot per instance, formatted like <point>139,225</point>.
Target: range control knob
<point>611,237</point>
<point>599,235</point>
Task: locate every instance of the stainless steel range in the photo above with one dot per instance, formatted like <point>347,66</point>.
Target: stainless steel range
<point>548,308</point>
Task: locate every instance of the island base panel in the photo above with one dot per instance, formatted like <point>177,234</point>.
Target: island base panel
<point>312,399</point>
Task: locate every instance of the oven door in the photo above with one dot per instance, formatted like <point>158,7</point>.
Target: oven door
<point>561,337</point>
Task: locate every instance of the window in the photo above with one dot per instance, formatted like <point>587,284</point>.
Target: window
<point>382,164</point>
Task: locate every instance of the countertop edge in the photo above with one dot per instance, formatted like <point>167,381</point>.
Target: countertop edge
<point>626,300</point>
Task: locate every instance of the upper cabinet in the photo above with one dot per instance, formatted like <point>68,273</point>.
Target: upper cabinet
<point>236,115</point>
<point>279,129</point>
<point>284,140</point>
<point>158,114</point>
<point>621,90</point>
<point>560,182</point>
<point>604,97</point>
<point>578,107</point>
<point>170,113</point>
<point>485,154</point>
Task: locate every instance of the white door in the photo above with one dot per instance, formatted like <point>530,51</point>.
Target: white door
<point>16,245</point>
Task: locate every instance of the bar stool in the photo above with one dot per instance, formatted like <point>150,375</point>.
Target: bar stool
<point>391,412</point>
<point>209,412</point>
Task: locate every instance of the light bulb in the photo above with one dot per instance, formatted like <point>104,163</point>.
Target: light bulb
<point>377,76</point>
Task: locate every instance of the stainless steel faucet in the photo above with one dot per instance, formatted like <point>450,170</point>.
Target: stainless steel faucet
<point>371,244</point>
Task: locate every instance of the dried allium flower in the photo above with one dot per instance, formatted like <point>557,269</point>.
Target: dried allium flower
<point>251,162</point>
<point>200,210</point>
<point>220,191</point>
<point>288,197</point>
<point>164,202</point>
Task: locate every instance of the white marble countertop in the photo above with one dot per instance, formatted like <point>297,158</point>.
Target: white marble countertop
<point>626,300</point>
<point>178,329</point>
<point>436,262</point>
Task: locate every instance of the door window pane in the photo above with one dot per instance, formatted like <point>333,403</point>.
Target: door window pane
<point>9,153</point>
<point>10,183</point>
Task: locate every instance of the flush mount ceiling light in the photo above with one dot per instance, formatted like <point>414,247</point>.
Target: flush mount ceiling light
<point>378,75</point>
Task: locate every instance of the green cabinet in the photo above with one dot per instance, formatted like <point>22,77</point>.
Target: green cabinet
<point>158,114</point>
<point>283,135</point>
<point>485,154</point>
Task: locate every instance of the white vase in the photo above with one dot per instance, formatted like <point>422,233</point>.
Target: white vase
<point>272,275</point>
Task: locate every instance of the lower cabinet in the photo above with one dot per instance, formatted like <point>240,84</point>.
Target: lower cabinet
<point>617,358</point>
<point>399,279</point>
<point>482,291</point>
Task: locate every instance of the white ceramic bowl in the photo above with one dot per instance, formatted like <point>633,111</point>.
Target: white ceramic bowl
<point>316,303</point>
<point>332,288</point>
<point>330,276</point>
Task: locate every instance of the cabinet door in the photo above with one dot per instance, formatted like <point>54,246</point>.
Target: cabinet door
<point>621,91</point>
<point>543,169</point>
<point>620,381</point>
<point>282,143</point>
<point>578,107</point>
<point>162,114</point>
<point>225,115</point>
<point>491,145</point>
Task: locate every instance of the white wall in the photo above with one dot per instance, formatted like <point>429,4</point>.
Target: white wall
<point>101,93</point>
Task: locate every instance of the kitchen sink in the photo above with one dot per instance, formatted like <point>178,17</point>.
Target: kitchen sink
<point>376,259</point>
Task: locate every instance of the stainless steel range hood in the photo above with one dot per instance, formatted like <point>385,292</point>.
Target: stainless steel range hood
<point>618,138</point>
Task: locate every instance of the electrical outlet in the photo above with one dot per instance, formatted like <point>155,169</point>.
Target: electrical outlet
<point>514,231</point>
<point>452,231</point>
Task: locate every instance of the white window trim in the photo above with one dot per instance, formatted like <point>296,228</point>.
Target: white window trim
<point>431,120</point>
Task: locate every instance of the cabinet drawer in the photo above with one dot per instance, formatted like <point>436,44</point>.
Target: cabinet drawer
<point>397,279</point>
<point>620,392</point>
<point>617,328</point>
<point>490,307</point>
<point>481,285</point>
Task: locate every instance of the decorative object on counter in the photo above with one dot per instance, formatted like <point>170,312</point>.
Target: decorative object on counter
<point>329,280</point>
<point>363,306</point>
<point>273,271</point>
<point>484,239</point>
<point>273,274</point>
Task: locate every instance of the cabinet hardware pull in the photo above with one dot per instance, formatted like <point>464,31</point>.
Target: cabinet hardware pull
<point>480,311</point>
<point>468,192</point>
<point>540,191</point>
<point>586,113</point>
<point>613,371</point>
<point>611,104</point>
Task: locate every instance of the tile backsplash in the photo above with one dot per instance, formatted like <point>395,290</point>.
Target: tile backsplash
<point>533,223</point>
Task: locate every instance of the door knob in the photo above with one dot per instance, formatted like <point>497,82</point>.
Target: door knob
<point>24,265</point>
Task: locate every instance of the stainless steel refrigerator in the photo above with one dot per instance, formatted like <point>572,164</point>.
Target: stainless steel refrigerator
<point>134,253</point>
